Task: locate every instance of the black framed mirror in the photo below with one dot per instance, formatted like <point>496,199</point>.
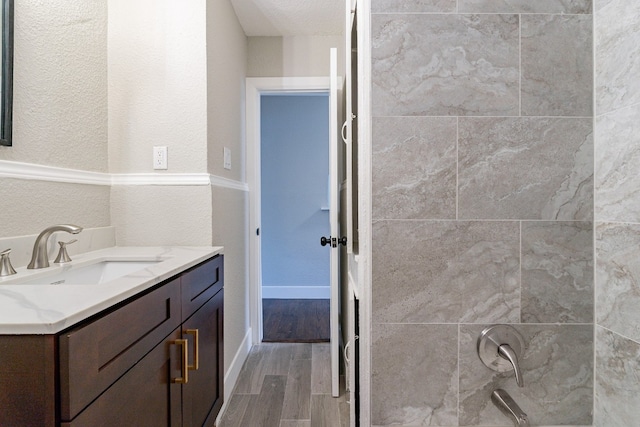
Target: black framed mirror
<point>6,82</point>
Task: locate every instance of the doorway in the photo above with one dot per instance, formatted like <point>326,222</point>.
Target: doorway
<point>294,155</point>
<point>255,89</point>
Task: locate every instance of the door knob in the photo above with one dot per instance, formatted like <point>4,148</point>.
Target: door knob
<point>324,241</point>
<point>500,348</point>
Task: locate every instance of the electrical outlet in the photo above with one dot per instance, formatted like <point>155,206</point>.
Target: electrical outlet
<point>227,157</point>
<point>160,155</point>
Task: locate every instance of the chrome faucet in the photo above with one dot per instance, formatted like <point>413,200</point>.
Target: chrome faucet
<point>510,408</point>
<point>40,258</point>
<point>506,352</point>
<point>500,348</point>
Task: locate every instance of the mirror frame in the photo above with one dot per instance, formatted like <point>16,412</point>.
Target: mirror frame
<point>6,114</point>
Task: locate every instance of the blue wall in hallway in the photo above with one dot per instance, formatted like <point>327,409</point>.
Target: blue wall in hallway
<point>295,167</point>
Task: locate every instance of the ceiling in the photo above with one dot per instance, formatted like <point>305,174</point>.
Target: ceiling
<point>290,17</point>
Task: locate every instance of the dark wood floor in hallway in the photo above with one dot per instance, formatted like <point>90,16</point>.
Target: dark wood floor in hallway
<point>295,320</point>
<point>286,385</point>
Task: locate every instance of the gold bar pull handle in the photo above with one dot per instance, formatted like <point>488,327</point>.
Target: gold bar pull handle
<point>196,352</point>
<point>184,363</point>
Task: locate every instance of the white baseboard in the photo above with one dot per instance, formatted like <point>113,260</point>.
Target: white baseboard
<point>296,292</point>
<point>231,377</point>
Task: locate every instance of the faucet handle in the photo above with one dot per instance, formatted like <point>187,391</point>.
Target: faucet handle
<point>500,348</point>
<point>63,256</point>
<point>6,269</point>
<point>505,351</point>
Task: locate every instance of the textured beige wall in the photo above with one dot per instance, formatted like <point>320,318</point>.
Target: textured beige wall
<point>157,80</point>
<point>157,84</point>
<point>299,56</point>
<point>60,85</point>
<point>226,71</point>
<point>230,225</point>
<point>30,206</point>
<point>59,114</point>
<point>161,215</point>
<point>265,58</point>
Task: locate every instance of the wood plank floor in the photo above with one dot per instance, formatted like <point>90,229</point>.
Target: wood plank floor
<point>286,385</point>
<point>295,320</point>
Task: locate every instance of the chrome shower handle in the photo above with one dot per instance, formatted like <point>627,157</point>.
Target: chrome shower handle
<point>500,347</point>
<point>506,352</point>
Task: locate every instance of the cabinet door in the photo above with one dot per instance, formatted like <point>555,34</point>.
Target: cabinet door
<point>203,394</point>
<point>144,397</point>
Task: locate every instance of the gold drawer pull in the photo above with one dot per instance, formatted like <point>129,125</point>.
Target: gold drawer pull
<point>196,352</point>
<point>183,366</point>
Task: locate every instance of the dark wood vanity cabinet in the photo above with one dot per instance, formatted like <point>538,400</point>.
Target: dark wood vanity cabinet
<point>27,380</point>
<point>127,367</point>
<point>203,394</point>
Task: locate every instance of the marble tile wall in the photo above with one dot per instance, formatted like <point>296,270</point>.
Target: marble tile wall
<point>617,212</point>
<point>557,272</point>
<point>617,66</point>
<point>419,177</point>
<point>483,184</point>
<point>402,353</point>
<point>445,65</point>
<point>618,277</point>
<point>557,81</point>
<point>618,157</point>
<point>525,6</point>
<point>617,386</point>
<point>525,168</point>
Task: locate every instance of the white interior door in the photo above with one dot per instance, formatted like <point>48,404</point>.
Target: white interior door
<point>334,208</point>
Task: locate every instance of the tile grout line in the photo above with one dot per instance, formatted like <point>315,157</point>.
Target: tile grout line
<point>520,308</point>
<point>594,113</point>
<point>459,335</point>
<point>457,168</point>
<point>520,65</point>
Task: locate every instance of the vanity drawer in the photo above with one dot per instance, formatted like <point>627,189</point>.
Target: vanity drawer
<point>200,283</point>
<point>95,355</point>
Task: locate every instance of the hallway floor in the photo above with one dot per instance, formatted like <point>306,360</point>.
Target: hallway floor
<point>296,320</point>
<point>286,385</point>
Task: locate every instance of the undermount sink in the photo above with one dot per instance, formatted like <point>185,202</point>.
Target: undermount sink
<point>92,274</point>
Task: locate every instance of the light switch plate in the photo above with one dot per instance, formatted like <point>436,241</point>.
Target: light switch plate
<point>227,158</point>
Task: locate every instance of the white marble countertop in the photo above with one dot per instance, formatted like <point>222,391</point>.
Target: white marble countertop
<point>48,309</point>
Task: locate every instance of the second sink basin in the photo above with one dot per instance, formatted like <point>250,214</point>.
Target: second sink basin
<point>93,274</point>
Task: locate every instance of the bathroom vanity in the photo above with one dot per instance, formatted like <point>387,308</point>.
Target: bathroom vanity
<point>146,351</point>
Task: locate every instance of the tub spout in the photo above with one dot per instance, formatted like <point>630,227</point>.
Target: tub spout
<point>510,408</point>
